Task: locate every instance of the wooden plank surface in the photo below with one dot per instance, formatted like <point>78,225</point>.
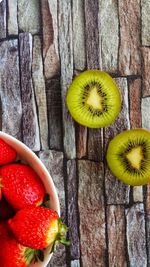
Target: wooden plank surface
<point>44,44</point>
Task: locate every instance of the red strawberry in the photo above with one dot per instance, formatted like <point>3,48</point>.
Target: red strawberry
<point>4,232</point>
<point>6,211</point>
<point>7,153</point>
<point>38,227</point>
<point>12,254</point>
<point>0,192</point>
<point>21,186</point>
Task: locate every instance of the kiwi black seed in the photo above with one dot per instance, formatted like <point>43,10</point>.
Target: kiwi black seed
<point>93,99</point>
<point>128,156</point>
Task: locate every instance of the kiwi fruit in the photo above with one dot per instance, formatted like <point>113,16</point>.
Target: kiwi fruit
<point>93,99</point>
<point>128,156</point>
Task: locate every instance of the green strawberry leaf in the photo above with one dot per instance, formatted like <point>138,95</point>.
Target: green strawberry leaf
<point>61,236</point>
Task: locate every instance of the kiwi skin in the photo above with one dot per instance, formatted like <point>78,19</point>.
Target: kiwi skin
<point>74,96</point>
<point>117,169</point>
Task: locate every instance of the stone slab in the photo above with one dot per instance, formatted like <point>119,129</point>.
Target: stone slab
<point>79,35</point>
<point>145,11</point>
<point>109,34</point>
<point>145,108</point>
<point>54,108</point>
<point>116,236</point>
<point>135,93</point>
<point>81,141</point>
<point>91,33</point>
<point>10,91</point>
<point>72,204</point>
<point>145,71</point>
<point>136,239</point>
<point>29,16</point>
<point>50,38</point>
<point>40,91</point>
<point>91,212</point>
<point>130,37</point>
<point>3,19</point>
<point>30,126</point>
<point>12,17</point>
<point>116,191</point>
<point>66,57</point>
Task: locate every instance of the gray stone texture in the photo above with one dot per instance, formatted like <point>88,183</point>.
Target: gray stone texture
<point>94,141</point>
<point>10,93</point>
<point>116,191</point>
<point>50,38</point>
<point>72,197</point>
<point>66,57</point>
<point>91,213</point>
<point>81,141</point>
<point>135,91</point>
<point>95,144</point>
<point>148,199</point>
<point>138,193</point>
<point>145,108</point>
<point>145,11</point>
<point>116,236</point>
<point>12,17</point>
<point>129,52</point>
<point>145,71</point>
<point>148,237</point>
<point>91,33</point>
<point>78,35</point>
<point>109,34</point>
<point>29,15</point>
<point>40,91</point>
<point>75,263</point>
<point>2,19</point>
<point>30,126</point>
<point>54,108</point>
<point>136,241</point>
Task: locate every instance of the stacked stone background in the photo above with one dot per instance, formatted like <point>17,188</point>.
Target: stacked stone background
<point>43,45</point>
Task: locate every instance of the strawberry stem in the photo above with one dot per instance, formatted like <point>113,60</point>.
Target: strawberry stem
<point>46,200</point>
<point>61,236</point>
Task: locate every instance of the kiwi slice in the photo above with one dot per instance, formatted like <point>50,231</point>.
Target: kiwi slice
<point>93,99</point>
<point>128,156</point>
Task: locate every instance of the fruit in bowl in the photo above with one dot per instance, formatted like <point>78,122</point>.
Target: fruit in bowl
<point>29,229</point>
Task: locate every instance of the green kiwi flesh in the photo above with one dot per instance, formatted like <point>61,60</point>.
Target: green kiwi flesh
<point>93,99</point>
<point>128,156</point>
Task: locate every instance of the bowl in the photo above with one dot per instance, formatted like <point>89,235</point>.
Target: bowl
<point>31,159</point>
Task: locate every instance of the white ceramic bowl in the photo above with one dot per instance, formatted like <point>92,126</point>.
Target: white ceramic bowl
<point>28,156</point>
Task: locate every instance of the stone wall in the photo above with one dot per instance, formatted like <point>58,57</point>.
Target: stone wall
<point>43,45</point>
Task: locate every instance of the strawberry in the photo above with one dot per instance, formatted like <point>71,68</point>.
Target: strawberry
<point>0,192</point>
<point>6,211</point>
<point>4,232</point>
<point>38,227</point>
<point>21,186</point>
<point>7,153</point>
<point>13,254</point>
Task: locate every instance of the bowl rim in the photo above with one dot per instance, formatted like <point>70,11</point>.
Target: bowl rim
<point>7,137</point>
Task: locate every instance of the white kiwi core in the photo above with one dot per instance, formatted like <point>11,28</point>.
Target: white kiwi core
<point>135,157</point>
<point>94,99</point>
